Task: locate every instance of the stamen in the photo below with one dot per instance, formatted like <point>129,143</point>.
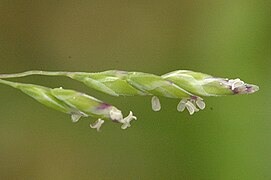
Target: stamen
<point>181,105</point>
<point>193,106</point>
<point>190,107</point>
<point>126,121</point>
<point>97,124</point>
<point>200,103</point>
<point>156,106</point>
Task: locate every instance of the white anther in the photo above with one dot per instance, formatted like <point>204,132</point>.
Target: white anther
<point>200,103</point>
<point>190,107</point>
<point>155,103</point>
<point>181,105</point>
<point>97,124</point>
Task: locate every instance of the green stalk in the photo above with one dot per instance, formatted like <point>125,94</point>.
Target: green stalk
<point>34,72</point>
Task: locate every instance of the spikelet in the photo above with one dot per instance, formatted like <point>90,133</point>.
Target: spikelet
<point>74,103</point>
<point>110,82</point>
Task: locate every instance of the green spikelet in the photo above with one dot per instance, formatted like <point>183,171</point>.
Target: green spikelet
<point>156,85</point>
<point>42,95</point>
<point>206,85</point>
<point>74,103</point>
<point>110,82</point>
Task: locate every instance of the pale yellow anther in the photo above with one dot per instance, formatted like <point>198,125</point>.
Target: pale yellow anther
<point>155,103</point>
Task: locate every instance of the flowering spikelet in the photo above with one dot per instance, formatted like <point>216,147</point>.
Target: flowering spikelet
<point>74,103</point>
<point>158,87</point>
<point>92,107</point>
<point>206,85</point>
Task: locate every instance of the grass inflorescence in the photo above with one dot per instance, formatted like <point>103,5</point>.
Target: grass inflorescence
<point>188,86</point>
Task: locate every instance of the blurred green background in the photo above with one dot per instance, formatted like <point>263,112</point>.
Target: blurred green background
<point>230,139</point>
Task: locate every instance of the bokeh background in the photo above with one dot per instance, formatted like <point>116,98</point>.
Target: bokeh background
<point>230,139</point>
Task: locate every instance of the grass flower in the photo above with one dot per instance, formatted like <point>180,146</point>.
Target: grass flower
<point>74,103</point>
<point>157,87</point>
<point>206,85</point>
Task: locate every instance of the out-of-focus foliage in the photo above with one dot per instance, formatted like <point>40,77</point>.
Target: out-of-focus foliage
<point>229,140</point>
